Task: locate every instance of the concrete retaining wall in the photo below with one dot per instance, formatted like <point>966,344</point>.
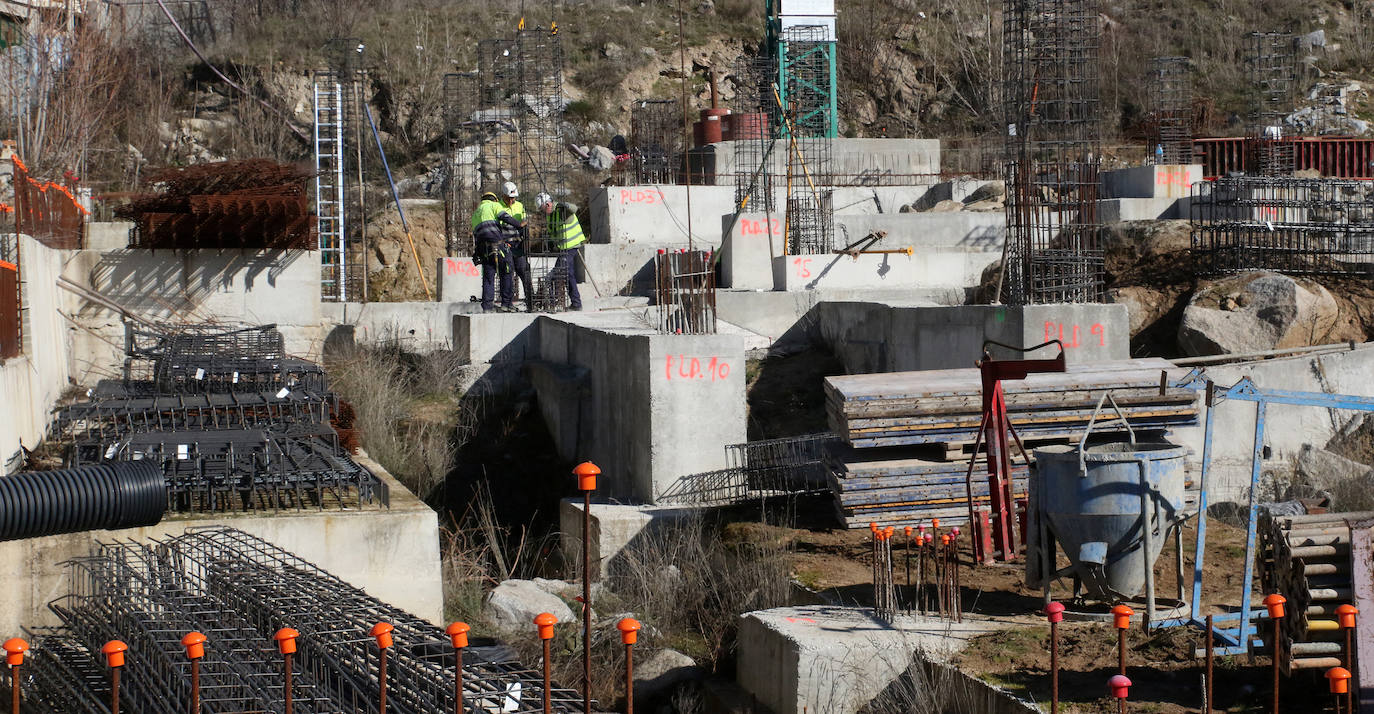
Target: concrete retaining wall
<point>1154,181</point>
<point>872,337</point>
<point>415,326</point>
<point>31,383</point>
<point>923,269</point>
<point>888,160</point>
<point>393,554</point>
<point>657,214</point>
<point>966,230</point>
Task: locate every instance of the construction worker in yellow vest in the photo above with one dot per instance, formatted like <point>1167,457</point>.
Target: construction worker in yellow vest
<point>516,237</point>
<point>565,236</point>
<point>492,252</point>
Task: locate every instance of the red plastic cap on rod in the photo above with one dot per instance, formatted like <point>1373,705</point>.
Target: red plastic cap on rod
<point>1121,617</point>
<point>586,473</point>
<point>382,631</point>
<point>194,642</point>
<point>629,630</point>
<point>114,653</point>
<point>14,651</point>
<point>545,622</point>
<point>286,640</point>
<point>1119,685</point>
<point>1338,679</point>
<point>1055,612</point>
<point>1274,603</point>
<point>458,634</point>
<point>1345,615</point>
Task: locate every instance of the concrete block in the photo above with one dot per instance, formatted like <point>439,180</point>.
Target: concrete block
<point>1154,181</point>
<point>617,269</point>
<point>494,337</point>
<point>924,269</point>
<point>873,337</point>
<point>459,279</point>
<point>1113,210</point>
<point>416,326</point>
<point>108,235</point>
<point>563,391</point>
<point>965,230</point>
<point>614,527</point>
<point>656,214</point>
<point>746,254</point>
<point>392,553</point>
<point>837,659</point>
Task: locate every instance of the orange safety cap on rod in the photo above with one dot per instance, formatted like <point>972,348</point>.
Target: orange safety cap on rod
<point>545,622</point>
<point>194,642</point>
<point>1121,617</point>
<point>114,653</point>
<point>935,522</point>
<point>458,634</point>
<point>14,651</point>
<point>586,473</point>
<point>1345,614</point>
<point>382,631</point>
<point>1274,602</point>
<point>1055,612</point>
<point>286,640</point>
<point>629,630</point>
<point>1338,679</point>
<point>907,531</point>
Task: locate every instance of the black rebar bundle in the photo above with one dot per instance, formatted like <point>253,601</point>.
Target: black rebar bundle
<point>238,590</point>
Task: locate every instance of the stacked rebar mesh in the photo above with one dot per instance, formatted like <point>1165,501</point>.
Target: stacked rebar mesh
<point>788,467</point>
<point>228,418</point>
<point>1285,224</point>
<point>238,590</point>
<point>1051,110</point>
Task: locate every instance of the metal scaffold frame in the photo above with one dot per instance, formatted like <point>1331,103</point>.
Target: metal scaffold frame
<point>1051,109</point>
<point>805,80</point>
<point>329,185</point>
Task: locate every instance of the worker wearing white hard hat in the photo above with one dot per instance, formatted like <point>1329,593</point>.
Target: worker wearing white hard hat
<point>515,236</point>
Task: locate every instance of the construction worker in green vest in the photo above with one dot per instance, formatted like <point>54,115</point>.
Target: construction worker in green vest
<point>516,237</point>
<point>492,252</point>
<point>565,236</point>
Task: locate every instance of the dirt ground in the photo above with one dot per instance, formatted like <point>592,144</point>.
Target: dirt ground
<point>835,563</point>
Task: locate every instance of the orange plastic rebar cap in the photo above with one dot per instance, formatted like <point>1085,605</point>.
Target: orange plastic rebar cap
<point>1274,602</point>
<point>382,631</point>
<point>586,473</point>
<point>907,531</point>
<point>872,526</point>
<point>629,630</point>
<point>545,622</point>
<point>1120,685</point>
<point>458,634</point>
<point>935,522</point>
<point>1121,617</point>
<point>1345,614</point>
<point>1338,679</point>
<point>286,640</point>
<point>14,651</point>
<point>194,642</point>
<point>114,653</point>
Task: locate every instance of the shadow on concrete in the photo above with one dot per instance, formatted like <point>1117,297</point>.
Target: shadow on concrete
<point>169,282</point>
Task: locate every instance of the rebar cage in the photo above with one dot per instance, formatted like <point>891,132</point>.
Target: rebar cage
<point>1171,103</point>
<point>805,76</point>
<point>656,140</point>
<point>1271,64</point>
<point>1285,224</point>
<point>685,292</point>
<point>754,129</point>
<point>1051,109</point>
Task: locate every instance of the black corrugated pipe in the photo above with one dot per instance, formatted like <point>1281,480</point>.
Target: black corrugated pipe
<point>124,494</point>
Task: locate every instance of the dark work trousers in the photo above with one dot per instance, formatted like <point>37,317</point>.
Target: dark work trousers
<point>521,264</point>
<point>568,262</point>
<point>497,263</point>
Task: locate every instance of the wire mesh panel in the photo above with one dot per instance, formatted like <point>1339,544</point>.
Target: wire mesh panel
<point>656,140</point>
<point>788,466</point>
<point>685,291</point>
<point>1285,224</point>
<point>1051,112</point>
<point>1171,100</point>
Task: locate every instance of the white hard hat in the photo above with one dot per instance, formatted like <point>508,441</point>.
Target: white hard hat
<point>509,190</point>
<point>543,199</point>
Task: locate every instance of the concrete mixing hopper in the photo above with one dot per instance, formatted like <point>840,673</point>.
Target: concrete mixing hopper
<point>1093,499</point>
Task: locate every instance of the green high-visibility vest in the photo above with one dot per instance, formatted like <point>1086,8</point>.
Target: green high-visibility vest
<point>568,235</point>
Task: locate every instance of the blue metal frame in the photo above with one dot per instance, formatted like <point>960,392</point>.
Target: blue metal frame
<point>1234,640</point>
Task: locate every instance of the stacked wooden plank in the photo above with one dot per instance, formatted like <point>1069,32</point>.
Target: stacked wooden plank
<point>909,436</point>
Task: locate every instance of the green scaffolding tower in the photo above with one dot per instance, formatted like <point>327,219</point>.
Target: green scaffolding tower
<point>801,37</point>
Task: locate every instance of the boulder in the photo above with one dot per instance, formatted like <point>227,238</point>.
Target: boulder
<point>947,206</point>
<point>601,158</point>
<point>513,604</point>
<point>1266,311</point>
<point>662,671</point>
<point>1325,469</point>
<point>990,191</point>
<point>988,205</point>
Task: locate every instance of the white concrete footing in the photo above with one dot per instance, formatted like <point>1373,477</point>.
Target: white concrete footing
<point>614,527</point>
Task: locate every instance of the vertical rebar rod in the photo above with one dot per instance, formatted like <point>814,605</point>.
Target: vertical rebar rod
<point>381,681</point>
<point>1054,667</point>
<point>1274,652</point>
<point>114,690</point>
<point>1121,651</point>
<point>14,681</point>
<point>629,679</point>
<point>1350,666</point>
<point>586,604</point>
<point>287,683</point>
<point>195,686</point>
<point>458,680</point>
<point>1207,702</point>
<point>548,706</point>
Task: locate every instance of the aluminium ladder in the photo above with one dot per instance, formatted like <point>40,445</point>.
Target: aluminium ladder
<point>329,186</point>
